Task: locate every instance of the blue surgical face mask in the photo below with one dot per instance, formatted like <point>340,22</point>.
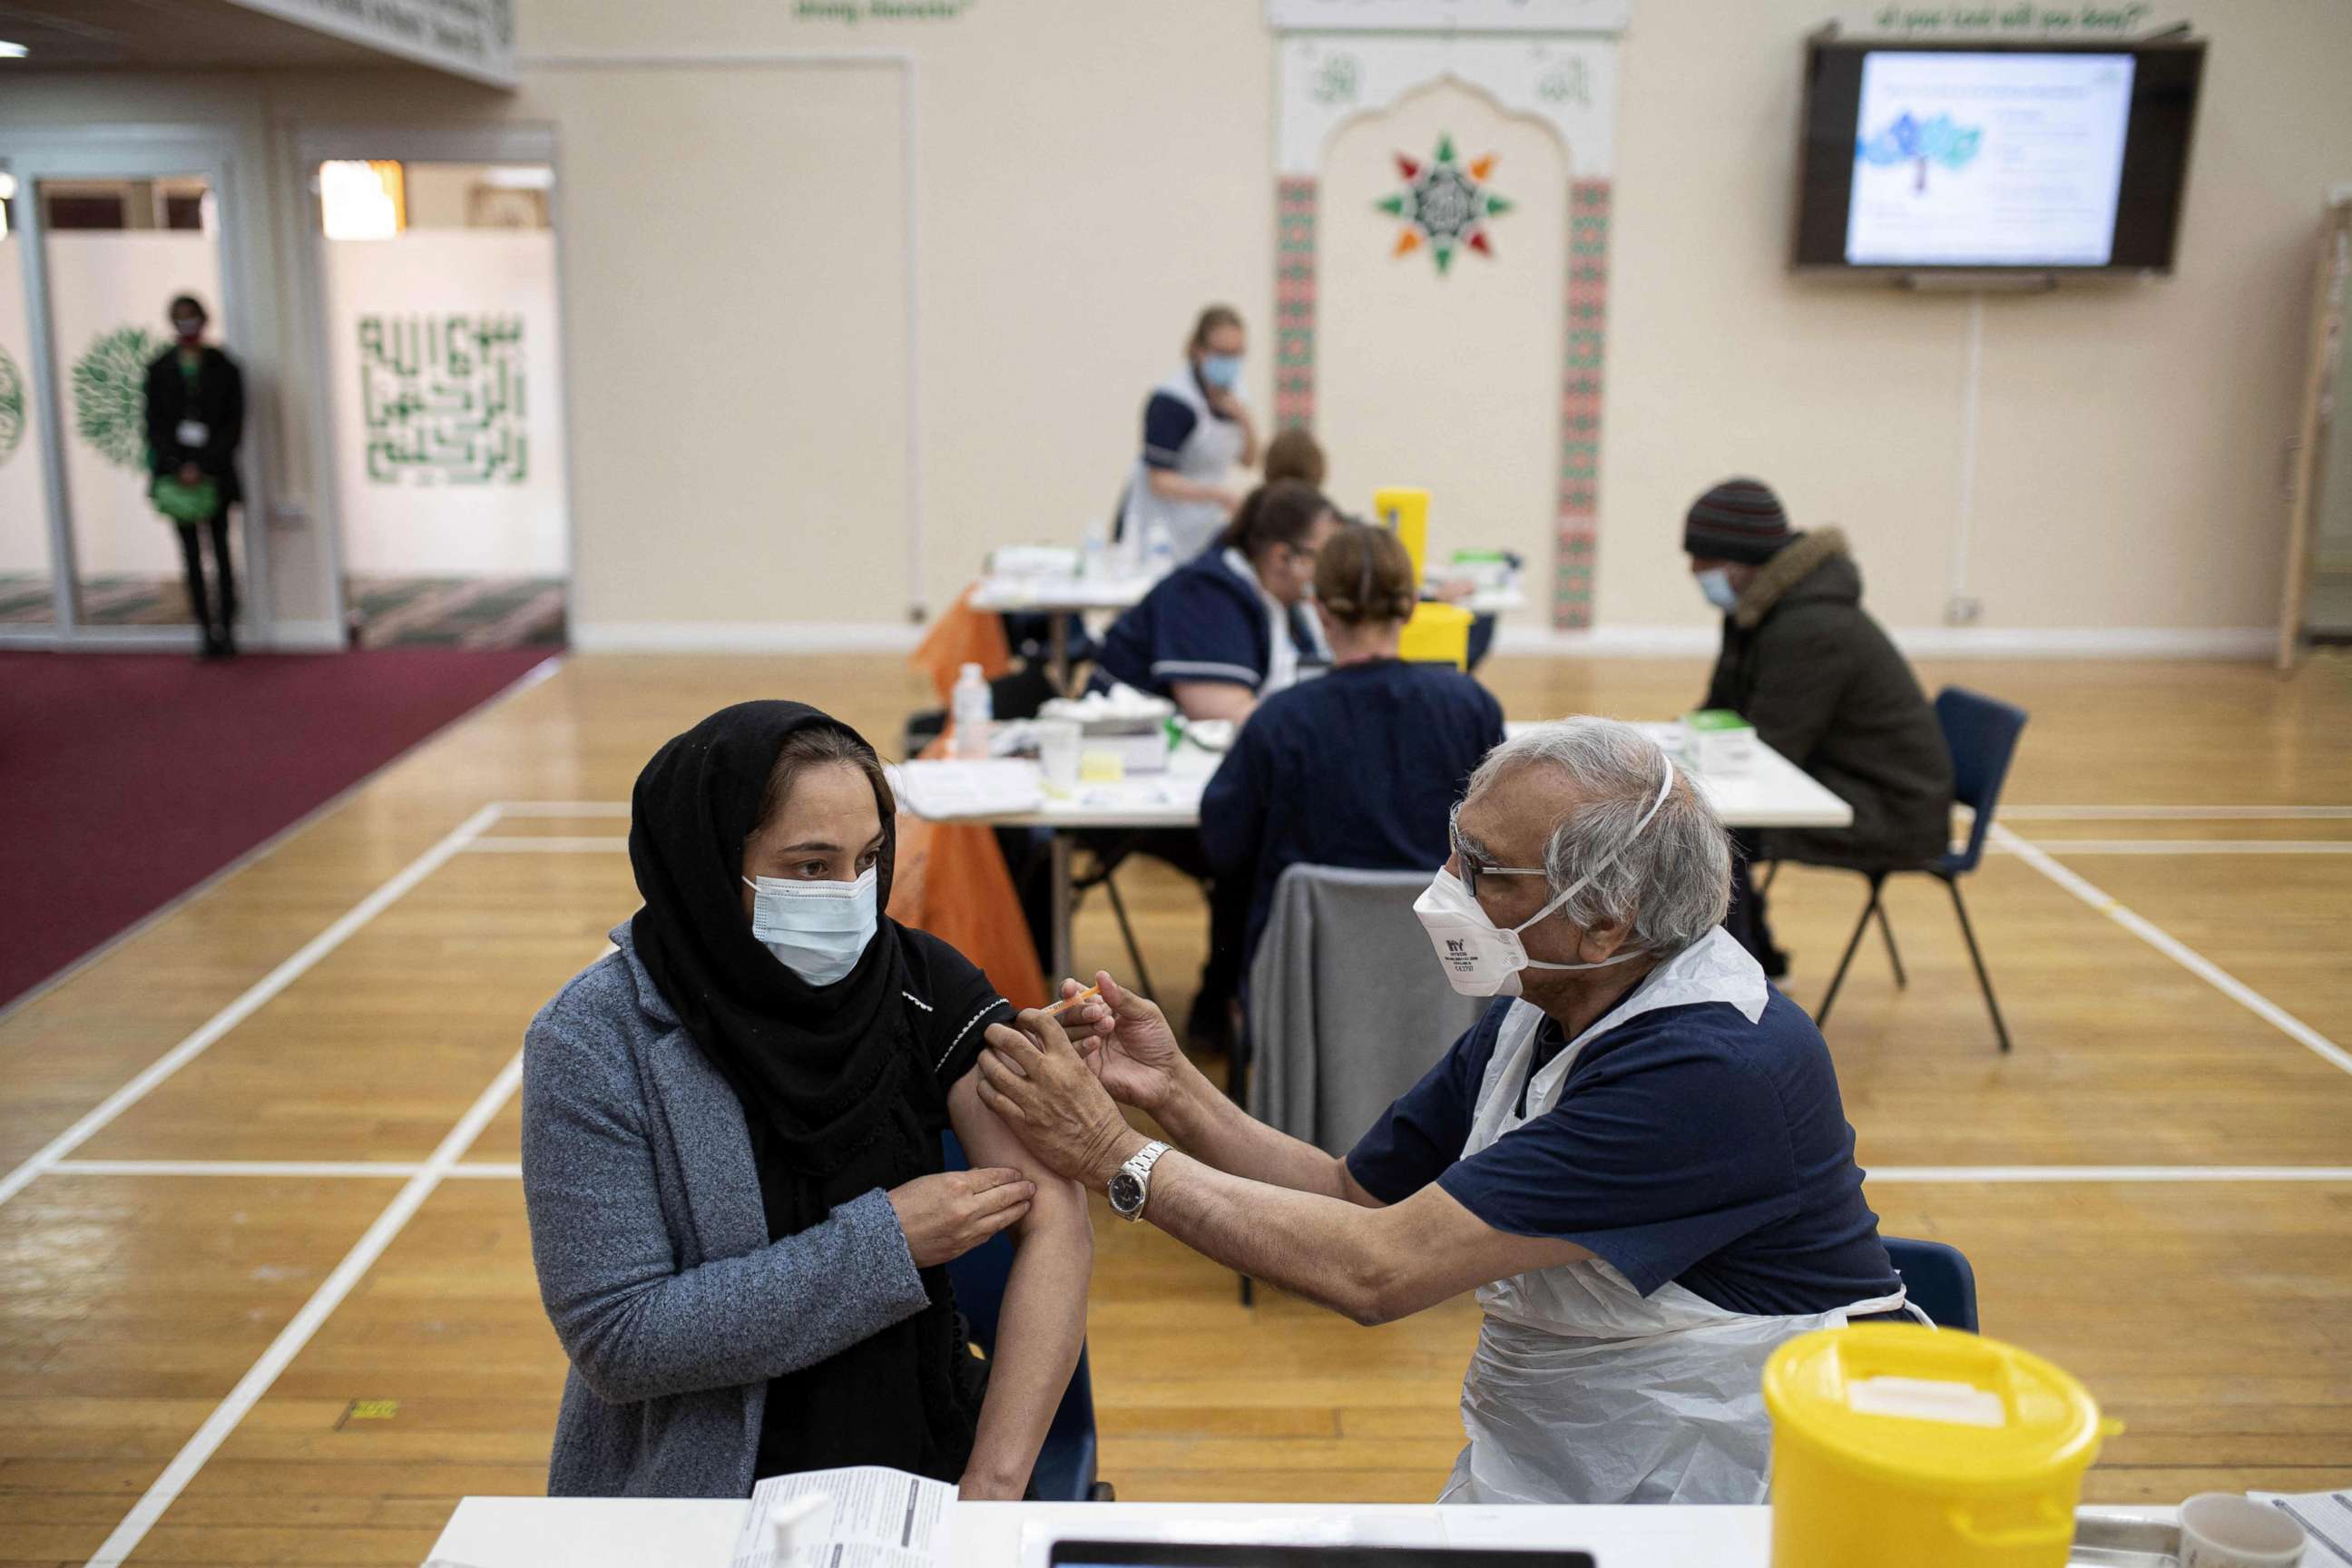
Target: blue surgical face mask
<point>1716,584</point>
<point>816,930</point>
<point>1222,371</point>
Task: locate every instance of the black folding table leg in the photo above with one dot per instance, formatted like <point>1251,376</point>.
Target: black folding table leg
<point>1126,929</point>
<point>1821,1014</point>
<point>1976,957</point>
<point>1893,957</point>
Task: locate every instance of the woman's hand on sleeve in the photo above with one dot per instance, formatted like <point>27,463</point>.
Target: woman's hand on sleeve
<point>946,1216</point>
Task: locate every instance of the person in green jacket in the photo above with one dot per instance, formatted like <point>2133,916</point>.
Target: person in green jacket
<point>1805,664</point>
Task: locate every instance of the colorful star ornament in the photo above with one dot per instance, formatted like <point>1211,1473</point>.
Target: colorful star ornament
<point>1445,203</point>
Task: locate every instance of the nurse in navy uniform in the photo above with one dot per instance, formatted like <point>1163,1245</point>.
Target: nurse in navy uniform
<point>1196,432</point>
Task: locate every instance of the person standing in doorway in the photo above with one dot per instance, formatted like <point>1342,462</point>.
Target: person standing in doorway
<point>195,417</point>
<point>1196,431</point>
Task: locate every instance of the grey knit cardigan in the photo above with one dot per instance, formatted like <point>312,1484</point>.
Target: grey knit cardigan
<point>653,1252</point>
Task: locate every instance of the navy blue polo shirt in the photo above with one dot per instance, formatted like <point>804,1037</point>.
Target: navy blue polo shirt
<point>1357,769</point>
<point>1686,1144</point>
<point>1202,622</point>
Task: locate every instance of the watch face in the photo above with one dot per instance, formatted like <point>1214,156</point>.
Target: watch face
<point>1126,1193</point>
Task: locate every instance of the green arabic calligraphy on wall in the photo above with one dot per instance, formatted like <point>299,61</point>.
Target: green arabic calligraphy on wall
<point>441,399</point>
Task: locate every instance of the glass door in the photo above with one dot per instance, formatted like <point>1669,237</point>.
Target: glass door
<point>117,238</point>
<point>27,582</point>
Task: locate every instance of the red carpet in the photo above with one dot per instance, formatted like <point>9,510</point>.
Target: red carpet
<point>126,779</point>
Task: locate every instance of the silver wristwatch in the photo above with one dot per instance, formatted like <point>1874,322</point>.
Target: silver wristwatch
<point>1131,1187</point>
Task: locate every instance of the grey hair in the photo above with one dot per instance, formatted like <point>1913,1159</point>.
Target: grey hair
<point>1671,883</point>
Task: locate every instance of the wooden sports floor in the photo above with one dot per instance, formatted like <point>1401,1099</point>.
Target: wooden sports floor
<point>266,1292</point>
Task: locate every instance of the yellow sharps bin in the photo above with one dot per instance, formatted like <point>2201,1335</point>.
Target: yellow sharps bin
<point>1437,634</point>
<point>1406,511</point>
<point>1897,1443</point>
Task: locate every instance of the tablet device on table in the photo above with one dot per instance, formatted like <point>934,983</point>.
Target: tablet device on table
<point>1188,1554</point>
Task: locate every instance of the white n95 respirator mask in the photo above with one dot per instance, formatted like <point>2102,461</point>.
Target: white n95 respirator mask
<point>1483,959</point>
<point>816,930</point>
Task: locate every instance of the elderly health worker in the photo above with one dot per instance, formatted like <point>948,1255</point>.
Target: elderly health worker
<point>1196,431</point>
<point>1637,1158</point>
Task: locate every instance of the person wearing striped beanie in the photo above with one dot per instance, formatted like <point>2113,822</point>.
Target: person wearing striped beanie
<point>1823,685</point>
<point>1729,532</point>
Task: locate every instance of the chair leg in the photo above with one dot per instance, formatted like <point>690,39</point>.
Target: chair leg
<point>1772,872</point>
<point>1821,1014</point>
<point>1984,979</point>
<point>1249,1290</point>
<point>1893,957</point>
<point>1126,930</point>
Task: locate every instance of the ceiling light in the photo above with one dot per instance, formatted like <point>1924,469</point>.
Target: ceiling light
<point>9,51</point>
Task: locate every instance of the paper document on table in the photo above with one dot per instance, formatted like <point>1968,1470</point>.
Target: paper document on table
<point>881,1519</point>
<point>2325,1517</point>
<point>943,790</point>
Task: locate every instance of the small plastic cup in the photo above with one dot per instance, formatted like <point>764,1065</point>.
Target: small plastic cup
<point>1059,744</point>
<point>2223,1530</point>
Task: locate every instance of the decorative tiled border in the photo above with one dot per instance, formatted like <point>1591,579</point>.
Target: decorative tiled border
<point>1294,304</point>
<point>1581,382</point>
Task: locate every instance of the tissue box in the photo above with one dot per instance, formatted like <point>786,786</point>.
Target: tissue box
<point>1719,741</point>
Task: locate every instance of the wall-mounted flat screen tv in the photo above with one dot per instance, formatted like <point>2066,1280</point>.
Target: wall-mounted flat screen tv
<point>1994,157</point>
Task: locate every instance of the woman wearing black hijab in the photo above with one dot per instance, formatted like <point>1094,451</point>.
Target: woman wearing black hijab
<point>732,1152</point>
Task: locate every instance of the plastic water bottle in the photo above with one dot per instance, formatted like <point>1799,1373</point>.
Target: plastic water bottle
<point>1158,551</point>
<point>975,714</point>
<point>1094,555</point>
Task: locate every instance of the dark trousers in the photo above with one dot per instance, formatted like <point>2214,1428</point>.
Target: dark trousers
<point>216,613</point>
<point>1745,920</point>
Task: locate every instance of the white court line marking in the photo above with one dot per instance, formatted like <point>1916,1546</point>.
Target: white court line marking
<point>2186,846</point>
<point>296,1333</point>
<point>2119,1174</point>
<point>489,1170</point>
<point>2188,958</point>
<point>381,1169</point>
<point>2177,812</point>
<point>256,996</point>
<point>558,844</point>
<point>564,807</point>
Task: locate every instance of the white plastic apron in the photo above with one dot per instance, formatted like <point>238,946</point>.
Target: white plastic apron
<point>1581,1389</point>
<point>1207,457</point>
<point>1282,659</point>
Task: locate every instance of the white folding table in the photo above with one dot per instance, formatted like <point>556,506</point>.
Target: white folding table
<point>1773,792</point>
<point>1059,597</point>
<point>628,1532</point>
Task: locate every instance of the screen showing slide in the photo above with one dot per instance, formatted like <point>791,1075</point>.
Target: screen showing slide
<point>1977,160</point>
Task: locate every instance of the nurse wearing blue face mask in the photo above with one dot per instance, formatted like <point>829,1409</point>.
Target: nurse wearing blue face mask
<point>732,1162</point>
<point>1196,431</point>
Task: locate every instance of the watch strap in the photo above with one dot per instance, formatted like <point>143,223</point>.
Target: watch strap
<point>1139,1167</point>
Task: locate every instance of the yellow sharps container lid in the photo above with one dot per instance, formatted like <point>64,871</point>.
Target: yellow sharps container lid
<point>1913,1403</point>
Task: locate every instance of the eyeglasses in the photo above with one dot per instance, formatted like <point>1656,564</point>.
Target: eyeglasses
<point>1473,867</point>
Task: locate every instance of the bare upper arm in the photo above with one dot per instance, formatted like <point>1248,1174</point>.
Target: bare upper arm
<point>987,1141</point>
<point>1212,700</point>
<point>1431,1248</point>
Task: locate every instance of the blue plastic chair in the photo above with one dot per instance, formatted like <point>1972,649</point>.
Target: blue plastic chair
<point>1981,734</point>
<point>1064,1471</point>
<point>1938,1279</point>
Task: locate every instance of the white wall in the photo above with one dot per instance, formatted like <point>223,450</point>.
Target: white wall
<point>498,508</point>
<point>2131,438</point>
<point>1091,174</point>
<point>1450,381</point>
